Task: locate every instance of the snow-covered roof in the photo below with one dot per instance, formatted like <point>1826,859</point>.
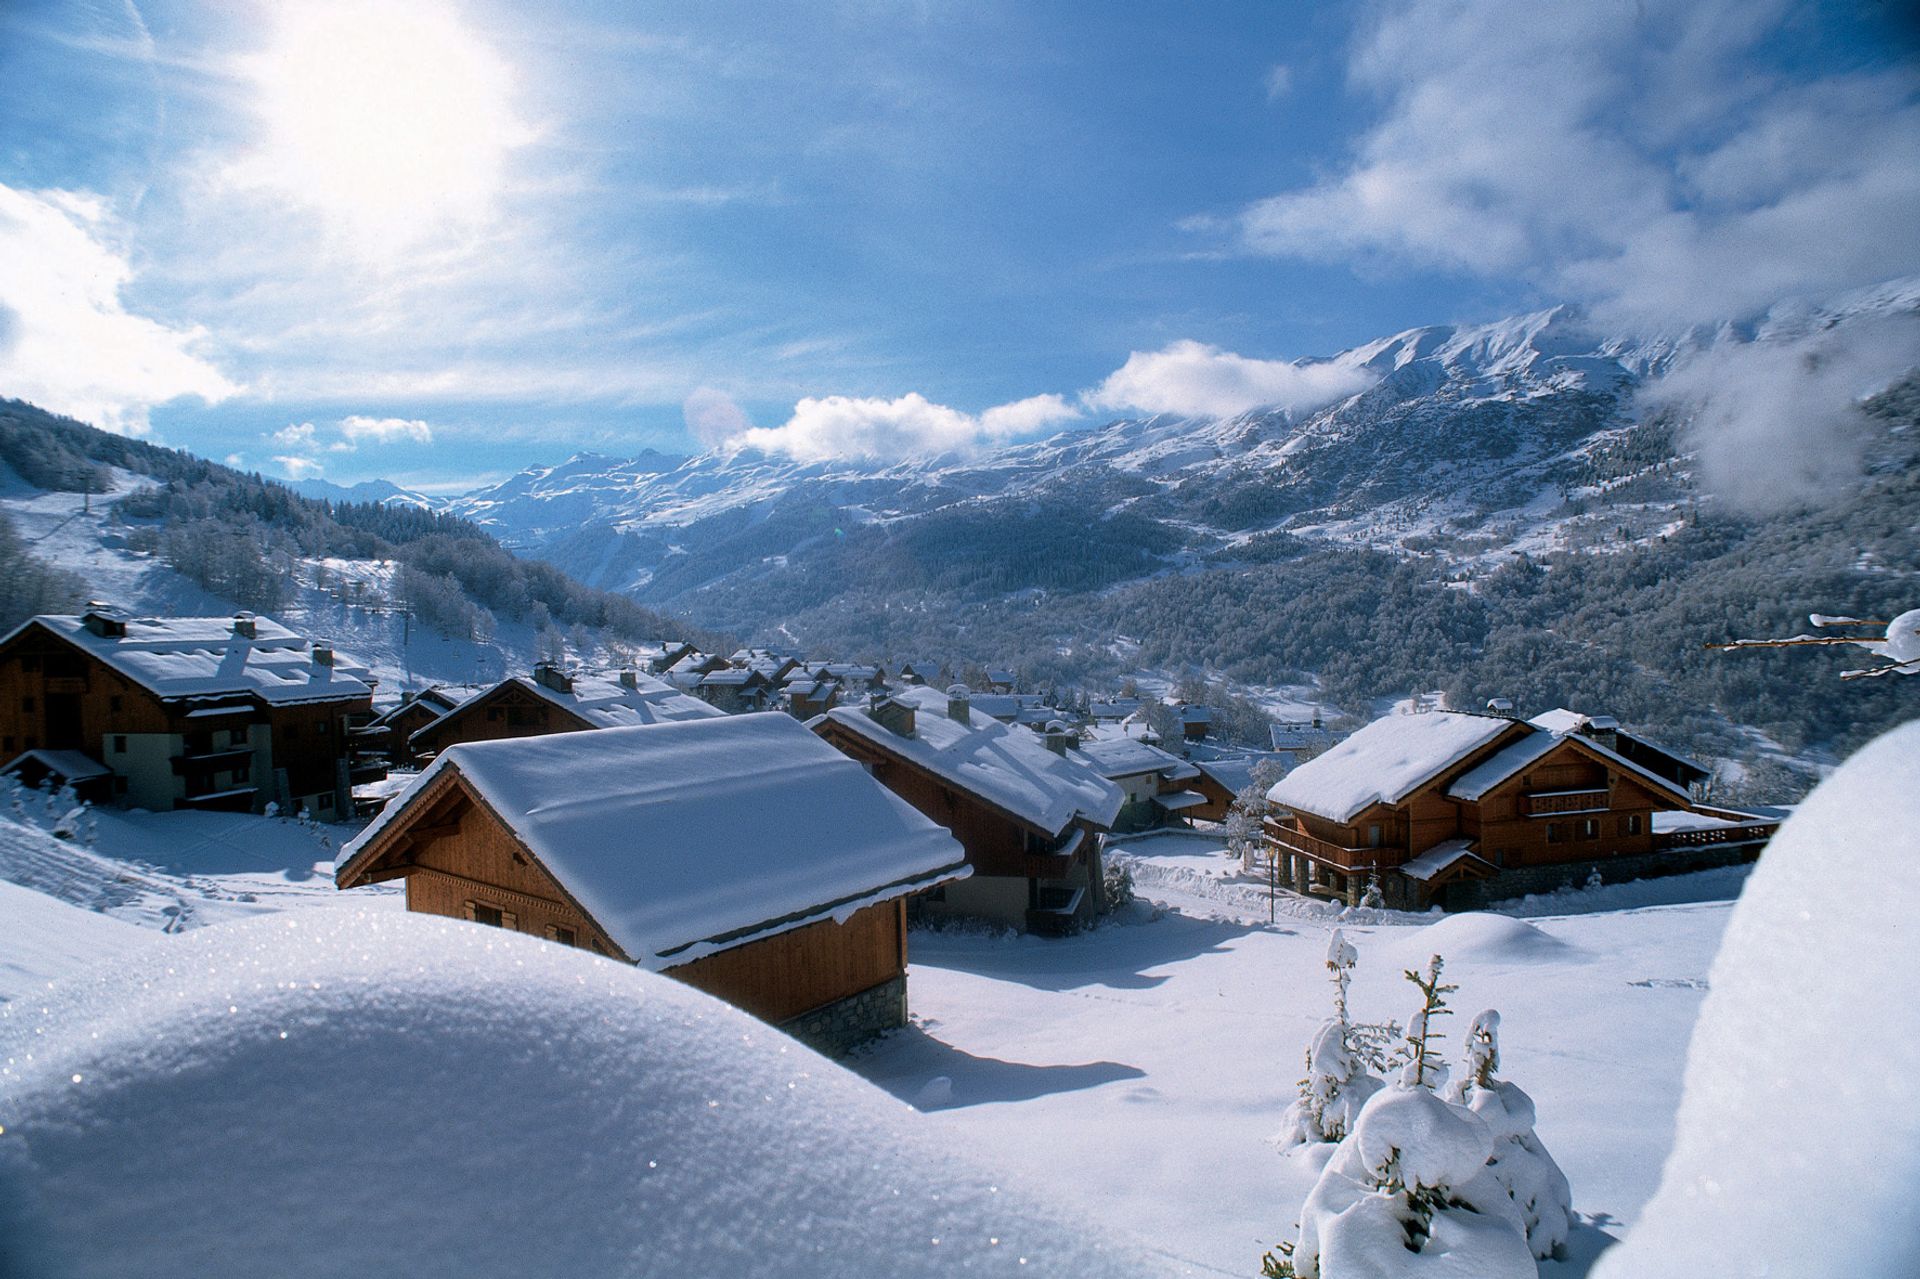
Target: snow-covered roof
<point>1130,757</point>
<point>75,766</point>
<point>197,657</point>
<point>674,835</point>
<point>1008,767</point>
<point>1234,774</point>
<point>607,703</point>
<point>1666,823</point>
<point>1474,784</point>
<point>1384,762</point>
<point>1562,720</point>
<point>1298,737</point>
<point>1175,801</point>
<point>1441,856</point>
<point>1195,714</point>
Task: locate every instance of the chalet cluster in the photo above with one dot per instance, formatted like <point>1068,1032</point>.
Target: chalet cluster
<point>185,712</point>
<point>1457,809</point>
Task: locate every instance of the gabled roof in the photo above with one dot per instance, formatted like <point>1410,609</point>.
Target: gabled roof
<point>189,658</point>
<point>681,839</point>
<point>1129,757</point>
<point>1562,720</point>
<point>1475,784</point>
<point>1299,737</point>
<point>607,703</point>
<point>1008,767</point>
<point>1385,762</point>
<point>1445,856</point>
<point>74,766</point>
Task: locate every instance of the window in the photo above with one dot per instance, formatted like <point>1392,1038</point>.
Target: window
<point>119,744</point>
<point>26,703</point>
<point>491,916</point>
<point>1590,828</point>
<point>1373,835</point>
<point>237,736</point>
<point>1630,824</point>
<point>1556,832</point>
<point>113,703</point>
<point>326,801</point>
<point>242,775</point>
<point>493,714</point>
<point>6,744</point>
<point>565,936</point>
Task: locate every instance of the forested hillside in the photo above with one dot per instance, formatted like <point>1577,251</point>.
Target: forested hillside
<point>240,535</point>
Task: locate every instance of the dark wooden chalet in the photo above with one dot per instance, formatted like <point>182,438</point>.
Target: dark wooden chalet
<point>1458,809</point>
<point>189,712</point>
<point>1031,819</point>
<point>739,854</point>
<point>555,701</point>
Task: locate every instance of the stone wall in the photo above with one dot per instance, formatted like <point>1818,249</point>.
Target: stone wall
<point>835,1028</point>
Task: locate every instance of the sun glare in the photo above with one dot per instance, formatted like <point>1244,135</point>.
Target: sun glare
<point>391,119</point>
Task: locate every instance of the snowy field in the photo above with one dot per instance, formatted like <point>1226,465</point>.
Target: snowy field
<point>1135,1073</point>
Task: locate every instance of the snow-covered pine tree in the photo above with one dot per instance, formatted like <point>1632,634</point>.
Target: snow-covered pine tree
<point>1519,1162</point>
<point>1425,1068</point>
<point>1246,820</point>
<point>1413,1176</point>
<point>1337,1083</point>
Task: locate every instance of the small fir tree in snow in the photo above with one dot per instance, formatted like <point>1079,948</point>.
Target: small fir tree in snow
<point>1246,820</point>
<point>1519,1162</point>
<point>1411,1189</point>
<point>1337,1082</point>
<point>1373,898</point>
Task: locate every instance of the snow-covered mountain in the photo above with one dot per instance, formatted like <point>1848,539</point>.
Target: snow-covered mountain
<point>1512,434</point>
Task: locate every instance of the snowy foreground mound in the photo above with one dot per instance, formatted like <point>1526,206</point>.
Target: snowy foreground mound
<point>1797,1147</point>
<point>365,1092</point>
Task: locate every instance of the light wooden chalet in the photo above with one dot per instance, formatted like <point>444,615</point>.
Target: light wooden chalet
<point>1458,809</point>
<point>556,701</point>
<point>739,854</point>
<point>1159,787</point>
<point>188,712</point>
<point>1031,819</point>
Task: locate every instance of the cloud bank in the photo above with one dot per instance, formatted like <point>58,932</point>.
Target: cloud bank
<point>1640,158</point>
<point>384,430</point>
<point>1193,379</point>
<point>1777,425</point>
<point>67,341</point>
<point>910,426</point>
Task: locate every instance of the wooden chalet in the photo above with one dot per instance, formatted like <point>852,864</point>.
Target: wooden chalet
<point>1030,818</point>
<point>553,700</point>
<point>186,712</point>
<point>1458,809</point>
<point>1160,788</point>
<point>739,854</point>
<point>1195,721</point>
<point>809,695</point>
<point>398,724</point>
<point>735,690</point>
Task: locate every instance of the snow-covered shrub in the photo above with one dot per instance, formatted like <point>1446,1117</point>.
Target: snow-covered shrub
<point>1424,1068</point>
<point>1519,1161</point>
<point>1337,1083</point>
<point>1373,898</point>
<point>1116,879</point>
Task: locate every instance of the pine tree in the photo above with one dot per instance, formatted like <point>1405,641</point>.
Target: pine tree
<point>1337,1082</point>
<point>1424,1068</point>
<point>1519,1162</point>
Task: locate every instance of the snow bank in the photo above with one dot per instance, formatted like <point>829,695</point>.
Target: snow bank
<point>1798,1137</point>
<point>44,938</point>
<point>362,1092</point>
<point>1473,935</point>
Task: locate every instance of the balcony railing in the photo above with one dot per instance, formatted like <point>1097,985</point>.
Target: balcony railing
<point>1297,841</point>
<point>1755,832</point>
<point>1544,803</point>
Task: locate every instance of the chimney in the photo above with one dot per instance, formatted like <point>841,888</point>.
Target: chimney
<point>104,619</point>
<point>960,704</point>
<point>244,625</point>
<point>322,653</point>
<point>548,675</point>
<point>1500,706</point>
<point>892,714</point>
<point>630,679</point>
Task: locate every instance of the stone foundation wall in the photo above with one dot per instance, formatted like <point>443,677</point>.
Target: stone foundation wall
<point>835,1028</point>
<point>1519,881</point>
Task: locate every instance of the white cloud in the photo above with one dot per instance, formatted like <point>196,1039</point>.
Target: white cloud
<point>1639,158</point>
<point>910,426</point>
<point>1279,82</point>
<point>67,342</point>
<point>297,435</point>
<point>1778,424</point>
<point>384,430</point>
<point>299,468</point>
<point>713,418</point>
<point>1196,380</point>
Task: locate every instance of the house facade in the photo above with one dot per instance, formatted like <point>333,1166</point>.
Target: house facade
<point>739,854</point>
<point>189,712</point>
<point>553,700</point>
<point>1456,810</point>
<point>1031,819</point>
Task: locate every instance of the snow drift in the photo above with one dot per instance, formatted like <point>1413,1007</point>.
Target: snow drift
<point>1479,937</point>
<point>1798,1137</point>
<point>362,1092</point>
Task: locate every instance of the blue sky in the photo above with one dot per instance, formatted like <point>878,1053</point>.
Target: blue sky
<point>437,241</point>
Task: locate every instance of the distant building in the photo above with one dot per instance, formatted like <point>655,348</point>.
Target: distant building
<point>1297,741</point>
<point>188,712</point>
<point>1001,680</point>
<point>738,854</point>
<point>1030,817</point>
<point>735,690</point>
<point>1159,787</point>
<point>810,695</point>
<point>1454,809</point>
<point>1195,721</point>
<point>555,701</point>
<point>396,725</point>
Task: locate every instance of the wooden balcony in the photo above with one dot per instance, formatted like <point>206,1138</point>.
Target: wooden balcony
<point>1753,832</point>
<point>1554,803</point>
<point>1295,841</point>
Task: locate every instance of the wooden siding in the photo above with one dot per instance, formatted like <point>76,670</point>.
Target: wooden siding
<point>806,968</point>
<point>507,712</point>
